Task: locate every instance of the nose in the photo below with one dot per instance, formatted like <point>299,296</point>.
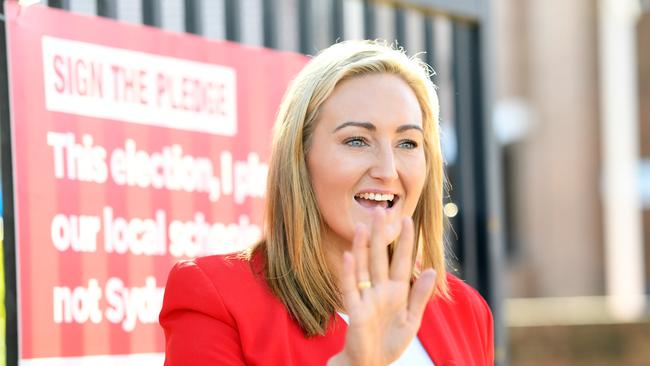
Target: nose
<point>384,167</point>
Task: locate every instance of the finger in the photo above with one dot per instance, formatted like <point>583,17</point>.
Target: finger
<point>349,282</point>
<point>360,251</point>
<point>420,295</point>
<point>378,247</point>
<point>402,262</point>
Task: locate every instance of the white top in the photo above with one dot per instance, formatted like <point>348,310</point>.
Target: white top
<point>415,354</point>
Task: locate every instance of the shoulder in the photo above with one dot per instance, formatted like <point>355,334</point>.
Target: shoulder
<point>464,296</point>
<point>466,304</point>
<point>465,310</point>
<point>228,285</point>
<point>207,270</point>
<point>470,314</point>
<point>234,266</point>
<point>199,282</point>
<point>201,324</point>
<point>204,278</point>
<point>461,322</point>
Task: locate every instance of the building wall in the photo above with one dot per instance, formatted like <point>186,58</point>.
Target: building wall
<point>547,65</point>
<point>548,60</point>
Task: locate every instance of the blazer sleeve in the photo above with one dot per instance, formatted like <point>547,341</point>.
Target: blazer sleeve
<point>488,330</point>
<point>199,330</point>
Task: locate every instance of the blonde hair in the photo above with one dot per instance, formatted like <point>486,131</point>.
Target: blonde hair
<point>295,265</point>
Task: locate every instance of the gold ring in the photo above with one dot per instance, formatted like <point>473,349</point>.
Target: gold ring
<point>362,285</point>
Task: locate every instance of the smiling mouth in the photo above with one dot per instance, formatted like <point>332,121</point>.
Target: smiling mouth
<point>372,200</point>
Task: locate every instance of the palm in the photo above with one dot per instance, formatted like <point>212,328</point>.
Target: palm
<point>384,318</point>
<point>379,324</point>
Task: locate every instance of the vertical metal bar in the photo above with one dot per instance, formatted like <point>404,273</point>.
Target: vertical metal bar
<point>462,182</point>
<point>337,20</point>
<point>193,17</point>
<point>107,8</point>
<point>429,41</point>
<point>251,20</point>
<point>151,13</point>
<point>400,26</point>
<point>287,26</point>
<point>479,131</point>
<point>9,241</point>
<point>370,31</point>
<point>61,4</point>
<point>306,34</point>
<point>466,114</point>
<point>233,22</point>
<point>494,191</point>
<point>270,15</point>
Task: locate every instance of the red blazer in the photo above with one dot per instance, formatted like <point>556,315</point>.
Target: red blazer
<point>216,311</point>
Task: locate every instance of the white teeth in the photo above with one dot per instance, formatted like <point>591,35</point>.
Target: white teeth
<point>377,196</point>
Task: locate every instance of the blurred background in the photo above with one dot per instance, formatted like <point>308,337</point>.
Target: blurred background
<point>545,113</point>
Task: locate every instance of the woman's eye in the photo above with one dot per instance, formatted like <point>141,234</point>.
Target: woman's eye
<point>356,142</point>
<point>408,144</point>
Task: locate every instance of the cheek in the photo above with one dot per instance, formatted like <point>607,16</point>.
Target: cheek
<point>414,181</point>
<point>328,179</point>
<point>333,180</point>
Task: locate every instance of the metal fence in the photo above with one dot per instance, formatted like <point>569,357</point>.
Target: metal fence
<point>450,35</point>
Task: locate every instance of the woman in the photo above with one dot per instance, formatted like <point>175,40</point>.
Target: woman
<point>354,202</point>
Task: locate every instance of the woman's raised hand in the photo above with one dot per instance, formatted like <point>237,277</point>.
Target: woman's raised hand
<point>385,311</point>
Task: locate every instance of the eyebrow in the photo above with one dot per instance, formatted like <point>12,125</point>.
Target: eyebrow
<point>370,127</point>
<point>403,128</point>
<point>367,125</point>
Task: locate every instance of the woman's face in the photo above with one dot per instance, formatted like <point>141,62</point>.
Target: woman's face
<point>367,151</point>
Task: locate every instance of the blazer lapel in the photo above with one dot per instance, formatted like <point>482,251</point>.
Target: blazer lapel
<point>434,335</point>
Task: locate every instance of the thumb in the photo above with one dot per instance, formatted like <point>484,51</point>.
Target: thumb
<point>420,294</point>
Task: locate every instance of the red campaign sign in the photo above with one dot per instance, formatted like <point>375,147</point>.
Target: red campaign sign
<point>133,148</point>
